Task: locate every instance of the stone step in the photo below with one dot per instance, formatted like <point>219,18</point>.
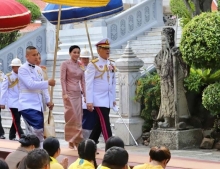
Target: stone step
<point>144,46</point>
<point>83,39</point>
<point>136,51</point>
<point>145,42</point>
<point>151,38</point>
<point>141,55</point>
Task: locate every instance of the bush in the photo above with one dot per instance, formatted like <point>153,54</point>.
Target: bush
<point>35,10</point>
<point>198,79</point>
<point>200,41</point>
<point>7,38</point>
<point>211,98</point>
<point>148,94</point>
<point>179,8</point>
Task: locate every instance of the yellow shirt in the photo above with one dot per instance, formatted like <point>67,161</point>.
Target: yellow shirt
<point>102,167</point>
<point>81,164</point>
<point>148,166</point>
<point>54,164</point>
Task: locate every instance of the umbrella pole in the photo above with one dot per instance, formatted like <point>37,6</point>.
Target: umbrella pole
<point>55,52</point>
<point>87,32</point>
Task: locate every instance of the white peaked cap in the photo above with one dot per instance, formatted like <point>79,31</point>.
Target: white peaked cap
<point>16,62</point>
<point>85,54</point>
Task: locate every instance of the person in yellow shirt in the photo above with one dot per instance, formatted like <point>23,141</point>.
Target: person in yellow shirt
<point>159,157</point>
<point>87,152</point>
<point>115,158</point>
<point>52,146</point>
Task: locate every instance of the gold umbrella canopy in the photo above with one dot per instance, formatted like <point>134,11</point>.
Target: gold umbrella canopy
<point>79,3</point>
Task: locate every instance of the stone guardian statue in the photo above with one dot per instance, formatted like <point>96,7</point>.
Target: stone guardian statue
<point>170,107</point>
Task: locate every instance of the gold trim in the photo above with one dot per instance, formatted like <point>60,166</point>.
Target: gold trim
<point>15,16</point>
<point>79,3</point>
<point>76,19</point>
<point>12,83</point>
<point>11,29</point>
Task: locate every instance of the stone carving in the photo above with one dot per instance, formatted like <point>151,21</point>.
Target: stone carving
<point>39,44</point>
<point>131,23</point>
<point>20,54</point>
<point>9,59</point>
<point>29,43</point>
<point>123,27</point>
<point>139,18</point>
<point>2,65</point>
<point>165,68</point>
<point>154,10</point>
<point>114,33</point>
<point>147,14</point>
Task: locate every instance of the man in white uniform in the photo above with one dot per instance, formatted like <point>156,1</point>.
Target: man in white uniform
<point>88,120</point>
<point>33,96</point>
<point>100,90</point>
<point>9,97</point>
<point>2,132</point>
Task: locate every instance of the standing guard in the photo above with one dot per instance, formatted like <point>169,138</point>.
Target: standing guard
<point>2,132</point>
<point>100,90</point>
<point>10,96</point>
<point>33,93</point>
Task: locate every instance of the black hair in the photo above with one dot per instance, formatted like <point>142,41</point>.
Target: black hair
<point>114,141</point>
<point>3,164</point>
<point>36,159</point>
<point>115,158</point>
<point>28,140</point>
<point>73,47</point>
<point>30,48</point>
<point>160,153</point>
<point>51,145</point>
<point>87,150</point>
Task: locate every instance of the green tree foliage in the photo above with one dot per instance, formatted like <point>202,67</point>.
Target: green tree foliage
<point>8,38</point>
<point>211,98</point>
<point>35,10</point>
<point>200,41</point>
<point>198,79</point>
<point>179,9</point>
<point>148,94</point>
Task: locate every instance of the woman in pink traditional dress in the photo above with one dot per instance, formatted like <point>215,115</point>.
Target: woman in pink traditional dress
<point>71,76</point>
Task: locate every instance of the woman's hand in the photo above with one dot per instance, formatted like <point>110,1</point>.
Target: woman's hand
<point>66,97</point>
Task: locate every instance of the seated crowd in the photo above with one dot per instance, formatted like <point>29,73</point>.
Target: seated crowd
<point>29,156</point>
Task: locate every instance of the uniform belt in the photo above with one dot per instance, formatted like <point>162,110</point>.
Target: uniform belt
<point>30,91</point>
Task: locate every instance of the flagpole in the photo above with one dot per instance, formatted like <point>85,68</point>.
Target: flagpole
<point>90,45</point>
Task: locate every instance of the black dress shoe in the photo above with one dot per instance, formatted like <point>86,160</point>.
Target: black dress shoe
<point>2,137</point>
<point>14,139</point>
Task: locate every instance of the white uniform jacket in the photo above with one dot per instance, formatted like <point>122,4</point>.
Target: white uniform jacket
<point>9,91</point>
<point>33,90</point>
<point>2,77</point>
<point>100,83</point>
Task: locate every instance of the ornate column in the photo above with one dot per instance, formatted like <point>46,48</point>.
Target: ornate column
<point>128,72</point>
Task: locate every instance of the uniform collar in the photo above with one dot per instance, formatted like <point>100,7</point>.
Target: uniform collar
<point>12,72</point>
<point>30,65</point>
<point>103,60</point>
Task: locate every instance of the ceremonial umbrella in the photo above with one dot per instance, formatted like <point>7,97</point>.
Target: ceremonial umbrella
<point>13,16</point>
<point>79,3</point>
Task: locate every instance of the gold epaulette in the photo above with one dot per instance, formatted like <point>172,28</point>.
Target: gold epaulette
<point>95,60</point>
<point>111,60</point>
<point>9,74</point>
<point>13,83</point>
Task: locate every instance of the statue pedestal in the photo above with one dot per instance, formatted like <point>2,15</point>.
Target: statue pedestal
<point>176,139</point>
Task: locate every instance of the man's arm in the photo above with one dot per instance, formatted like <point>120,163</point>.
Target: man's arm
<point>89,78</point>
<point>25,78</point>
<point>4,91</point>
